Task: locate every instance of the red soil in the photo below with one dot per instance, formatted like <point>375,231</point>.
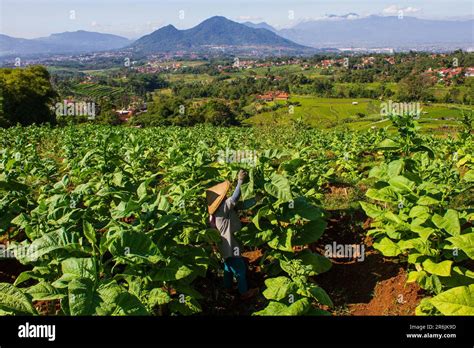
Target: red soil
<point>392,296</point>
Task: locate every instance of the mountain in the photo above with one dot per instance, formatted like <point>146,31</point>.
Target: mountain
<point>351,15</point>
<point>381,31</point>
<point>68,42</point>
<point>214,33</point>
<point>85,41</point>
<point>261,25</point>
<point>15,46</point>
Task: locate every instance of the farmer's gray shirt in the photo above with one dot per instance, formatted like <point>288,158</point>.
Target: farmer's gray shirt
<point>228,222</point>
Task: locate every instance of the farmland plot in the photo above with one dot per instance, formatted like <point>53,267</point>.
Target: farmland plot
<point>113,221</point>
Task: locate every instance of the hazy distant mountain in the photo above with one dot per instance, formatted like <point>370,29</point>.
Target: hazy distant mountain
<point>85,41</point>
<point>15,46</point>
<point>378,31</point>
<point>213,32</point>
<point>218,33</point>
<point>68,42</point>
<point>261,25</point>
<point>346,16</point>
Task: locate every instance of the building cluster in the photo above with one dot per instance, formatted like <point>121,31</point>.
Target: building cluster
<point>446,75</point>
<point>252,64</point>
<point>136,107</point>
<point>154,67</point>
<point>273,95</point>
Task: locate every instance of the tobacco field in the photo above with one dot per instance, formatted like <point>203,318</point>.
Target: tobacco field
<point>113,220</point>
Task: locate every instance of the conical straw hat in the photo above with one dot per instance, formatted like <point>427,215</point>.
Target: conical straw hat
<point>215,195</point>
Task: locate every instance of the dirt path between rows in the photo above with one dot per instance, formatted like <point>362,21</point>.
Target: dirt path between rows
<point>373,286</point>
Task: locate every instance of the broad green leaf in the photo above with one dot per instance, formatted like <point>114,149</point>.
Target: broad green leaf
<point>319,264</point>
<point>14,302</point>
<point>175,270</point>
<point>299,307</point>
<point>456,301</point>
<point>128,244</point>
<point>392,217</point>
<point>262,212</point>
<point>395,168</point>
<point>283,241</point>
<point>158,296</point>
<point>469,176</point>
<point>419,244</point>
<point>247,191</point>
<point>378,172</point>
<point>141,191</point>
<point>24,276</point>
<point>424,232</point>
<point>273,309</point>
<point>165,221</point>
<point>452,225</point>
<point>402,184</point>
<point>431,283</point>
<point>82,297</point>
<point>415,258</point>
<point>371,210</point>
<point>301,207</point>
<point>279,288</point>
<point>117,301</point>
<point>44,291</point>
<point>279,187</point>
<point>309,233</point>
<point>415,276</point>
<point>427,200</point>
<point>292,165</point>
<point>74,268</point>
<point>450,222</point>
<point>442,268</point>
<point>387,247</point>
<point>125,209</point>
<point>187,307</point>
<point>52,241</point>
<point>89,232</point>
<point>464,242</point>
<point>459,276</point>
<point>419,211</point>
<point>388,144</point>
<point>426,308</point>
<point>319,294</point>
<point>386,194</point>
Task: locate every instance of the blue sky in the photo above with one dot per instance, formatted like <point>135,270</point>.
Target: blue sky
<point>134,18</point>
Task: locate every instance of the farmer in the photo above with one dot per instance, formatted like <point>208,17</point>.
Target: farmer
<point>224,218</point>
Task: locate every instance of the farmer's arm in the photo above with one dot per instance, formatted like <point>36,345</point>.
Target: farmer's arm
<point>236,195</point>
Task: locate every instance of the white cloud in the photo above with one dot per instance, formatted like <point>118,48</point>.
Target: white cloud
<point>394,10</point>
<point>331,17</point>
<point>249,18</point>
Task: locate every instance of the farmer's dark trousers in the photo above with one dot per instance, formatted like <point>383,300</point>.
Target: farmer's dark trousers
<point>235,267</point>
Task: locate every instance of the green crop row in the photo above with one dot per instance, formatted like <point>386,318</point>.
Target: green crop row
<point>113,221</point>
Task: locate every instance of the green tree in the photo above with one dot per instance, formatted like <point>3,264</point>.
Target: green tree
<point>218,113</point>
<point>415,87</point>
<point>27,95</point>
<point>143,83</point>
<point>323,87</point>
<point>3,121</point>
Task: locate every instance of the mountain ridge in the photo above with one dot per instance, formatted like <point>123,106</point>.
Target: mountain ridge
<point>218,32</point>
<point>80,41</point>
<point>214,31</point>
<point>380,31</point>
